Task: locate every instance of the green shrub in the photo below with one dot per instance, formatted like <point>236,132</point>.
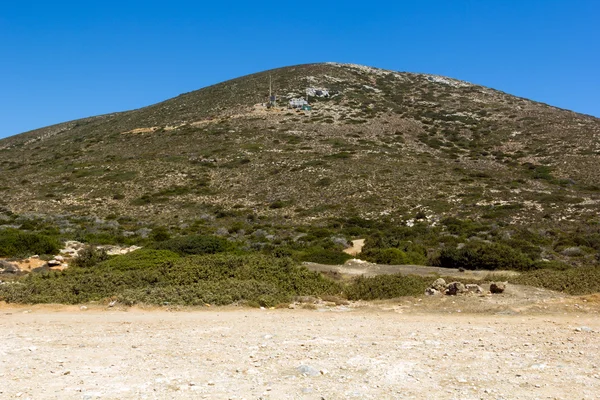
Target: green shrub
<point>324,256</point>
<point>393,256</point>
<point>555,265</point>
<point>160,276</point>
<point>530,250</point>
<point>89,256</point>
<point>15,243</point>
<point>486,256</point>
<point>102,238</point>
<point>574,281</point>
<point>466,228</point>
<point>386,287</point>
<point>160,234</point>
<point>195,244</point>
<point>144,259</point>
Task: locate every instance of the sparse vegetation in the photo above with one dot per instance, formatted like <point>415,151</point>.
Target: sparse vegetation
<point>387,287</point>
<point>574,281</point>
<point>486,256</point>
<point>159,276</point>
<point>428,172</point>
<point>188,245</point>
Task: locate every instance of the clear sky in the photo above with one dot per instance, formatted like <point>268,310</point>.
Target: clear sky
<point>63,60</point>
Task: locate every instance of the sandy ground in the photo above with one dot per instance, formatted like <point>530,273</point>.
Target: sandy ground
<point>389,350</point>
<point>357,246</point>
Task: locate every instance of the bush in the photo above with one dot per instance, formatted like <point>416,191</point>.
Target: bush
<point>393,256</point>
<point>386,287</point>
<point>464,228</point>
<point>324,256</point>
<point>15,243</point>
<point>89,256</point>
<point>159,276</point>
<point>189,245</point>
<point>147,259</point>
<point>160,234</point>
<point>390,256</point>
<point>486,256</point>
<point>555,265</point>
<point>573,281</point>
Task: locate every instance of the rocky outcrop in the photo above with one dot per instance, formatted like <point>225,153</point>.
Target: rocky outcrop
<point>8,268</point>
<point>455,288</point>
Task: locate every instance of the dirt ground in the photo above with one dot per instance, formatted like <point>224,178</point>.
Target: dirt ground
<point>29,264</point>
<point>353,268</point>
<point>402,349</point>
<point>356,249</point>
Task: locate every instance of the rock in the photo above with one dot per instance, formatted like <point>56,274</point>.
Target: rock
<point>8,268</point>
<point>584,329</point>
<point>59,258</point>
<point>54,263</point>
<point>222,231</point>
<point>340,240</point>
<point>439,285</point>
<point>308,370</point>
<point>455,288</point>
<point>431,292</point>
<point>473,288</point>
<point>118,250</point>
<point>43,268</point>
<point>497,287</point>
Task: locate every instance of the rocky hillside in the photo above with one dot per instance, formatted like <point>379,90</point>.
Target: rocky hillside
<point>375,143</point>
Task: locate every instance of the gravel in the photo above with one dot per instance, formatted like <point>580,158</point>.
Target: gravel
<point>232,353</point>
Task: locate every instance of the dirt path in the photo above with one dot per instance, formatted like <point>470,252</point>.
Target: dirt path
<point>357,246</point>
<point>339,353</point>
<point>359,267</point>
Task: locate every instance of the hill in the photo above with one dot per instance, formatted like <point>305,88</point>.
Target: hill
<point>381,144</point>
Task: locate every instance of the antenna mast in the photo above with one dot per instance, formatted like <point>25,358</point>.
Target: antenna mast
<point>272,99</point>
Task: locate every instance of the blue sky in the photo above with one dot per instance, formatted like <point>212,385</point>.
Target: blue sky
<point>64,60</point>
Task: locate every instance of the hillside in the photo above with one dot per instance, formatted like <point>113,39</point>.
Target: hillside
<point>382,144</point>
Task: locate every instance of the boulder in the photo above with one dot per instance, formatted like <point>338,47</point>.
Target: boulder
<point>308,370</point>
<point>431,291</point>
<point>497,287</point>
<point>439,285</point>
<point>455,288</point>
<point>473,288</point>
<point>8,268</point>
